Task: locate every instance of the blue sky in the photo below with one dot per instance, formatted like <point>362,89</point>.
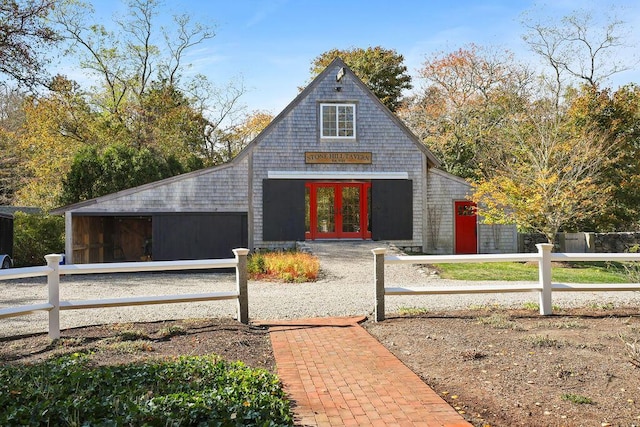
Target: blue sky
<point>270,44</point>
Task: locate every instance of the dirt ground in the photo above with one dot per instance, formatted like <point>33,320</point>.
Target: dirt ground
<point>515,368</point>
<point>497,367</point>
<point>131,342</point>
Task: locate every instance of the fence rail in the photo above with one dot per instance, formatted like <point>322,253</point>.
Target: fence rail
<point>544,286</point>
<point>53,270</point>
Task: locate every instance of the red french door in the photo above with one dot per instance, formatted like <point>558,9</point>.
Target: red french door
<point>337,210</point>
<point>466,228</point>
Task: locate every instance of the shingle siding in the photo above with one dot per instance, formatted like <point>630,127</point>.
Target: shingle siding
<point>283,147</point>
<point>222,189</point>
<point>444,189</point>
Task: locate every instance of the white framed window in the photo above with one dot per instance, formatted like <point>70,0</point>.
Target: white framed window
<point>338,121</point>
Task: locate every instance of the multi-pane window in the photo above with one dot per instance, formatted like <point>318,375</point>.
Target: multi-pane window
<point>338,120</point>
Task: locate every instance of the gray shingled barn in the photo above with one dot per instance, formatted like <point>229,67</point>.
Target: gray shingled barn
<point>335,164</point>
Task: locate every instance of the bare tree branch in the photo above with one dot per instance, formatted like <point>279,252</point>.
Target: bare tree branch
<point>24,32</point>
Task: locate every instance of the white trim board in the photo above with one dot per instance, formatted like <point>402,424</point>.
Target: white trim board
<point>336,175</point>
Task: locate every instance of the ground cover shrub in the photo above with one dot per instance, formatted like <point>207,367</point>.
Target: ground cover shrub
<point>576,398</point>
<point>185,391</point>
<point>288,266</point>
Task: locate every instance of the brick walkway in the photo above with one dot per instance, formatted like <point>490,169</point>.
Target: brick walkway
<point>338,375</point>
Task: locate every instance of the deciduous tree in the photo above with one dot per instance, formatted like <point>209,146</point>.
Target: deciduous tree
<point>467,96</point>
<point>238,137</point>
<point>25,32</point>
<point>56,126</point>
<point>382,70</point>
<point>616,115</point>
<point>578,47</point>
<point>118,167</point>
<point>141,97</point>
<point>11,120</point>
<point>547,174</point>
<point>138,65</point>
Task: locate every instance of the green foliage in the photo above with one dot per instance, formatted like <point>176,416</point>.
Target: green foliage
<point>36,236</point>
<point>382,70</point>
<point>576,398</point>
<point>546,173</point>
<point>544,341</point>
<point>256,265</point>
<point>11,121</point>
<point>544,157</point>
<point>606,306</point>
<point>617,116</point>
<point>118,167</point>
<point>499,321</point>
<point>289,266</point>
<point>185,391</point>
<point>461,111</point>
<point>140,98</point>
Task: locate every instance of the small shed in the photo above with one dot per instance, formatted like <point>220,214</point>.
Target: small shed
<point>334,164</point>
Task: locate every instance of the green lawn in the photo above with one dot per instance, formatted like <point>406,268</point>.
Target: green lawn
<point>514,271</point>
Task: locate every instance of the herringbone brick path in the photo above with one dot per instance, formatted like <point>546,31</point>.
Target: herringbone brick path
<point>339,375</point>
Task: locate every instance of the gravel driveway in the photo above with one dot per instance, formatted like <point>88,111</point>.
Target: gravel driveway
<point>345,288</point>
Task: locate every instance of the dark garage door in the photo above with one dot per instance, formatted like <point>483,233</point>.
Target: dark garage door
<point>182,236</point>
<point>283,209</point>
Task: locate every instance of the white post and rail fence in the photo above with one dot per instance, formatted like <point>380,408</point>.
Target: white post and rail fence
<point>544,287</point>
<point>53,270</point>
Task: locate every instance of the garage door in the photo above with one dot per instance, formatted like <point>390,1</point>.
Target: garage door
<point>183,236</point>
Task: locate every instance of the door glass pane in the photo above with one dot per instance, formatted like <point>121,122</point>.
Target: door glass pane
<point>307,209</point>
<point>326,209</point>
<point>351,209</point>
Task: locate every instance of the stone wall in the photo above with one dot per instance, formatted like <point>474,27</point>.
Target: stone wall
<point>582,242</point>
<point>527,242</point>
<point>615,242</point>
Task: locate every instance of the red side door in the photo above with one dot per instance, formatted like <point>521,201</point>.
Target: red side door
<point>466,228</point>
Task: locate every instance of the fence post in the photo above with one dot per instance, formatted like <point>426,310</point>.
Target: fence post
<point>544,273</point>
<point>241,283</point>
<point>53,284</point>
<point>378,278</point>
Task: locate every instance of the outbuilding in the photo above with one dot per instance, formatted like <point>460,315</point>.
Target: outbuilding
<point>334,164</point>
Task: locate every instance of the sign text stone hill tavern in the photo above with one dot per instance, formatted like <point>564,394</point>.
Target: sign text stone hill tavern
<point>318,157</point>
<point>334,164</point>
